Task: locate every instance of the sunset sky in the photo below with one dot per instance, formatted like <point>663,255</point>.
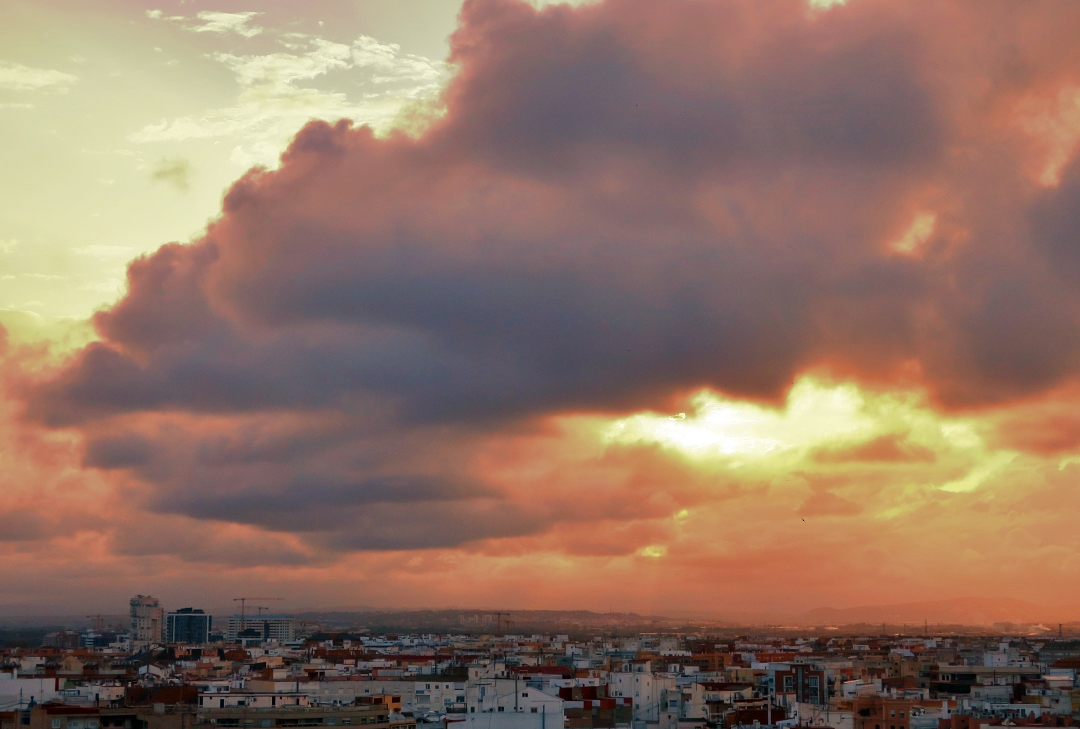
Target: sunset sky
<point>713,307</point>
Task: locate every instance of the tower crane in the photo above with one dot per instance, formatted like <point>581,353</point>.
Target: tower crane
<point>243,608</point>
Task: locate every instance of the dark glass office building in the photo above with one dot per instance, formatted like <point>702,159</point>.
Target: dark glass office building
<point>188,625</point>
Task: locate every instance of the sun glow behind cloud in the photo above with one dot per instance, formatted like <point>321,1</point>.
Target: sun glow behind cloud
<point>817,416</point>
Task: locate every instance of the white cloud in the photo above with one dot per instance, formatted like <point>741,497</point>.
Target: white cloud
<point>103,251</point>
<point>7,246</point>
<point>108,286</point>
<point>218,22</point>
<point>276,98</point>
<point>17,77</point>
<point>158,15</point>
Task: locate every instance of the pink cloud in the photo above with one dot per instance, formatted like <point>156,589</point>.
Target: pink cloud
<point>623,202</point>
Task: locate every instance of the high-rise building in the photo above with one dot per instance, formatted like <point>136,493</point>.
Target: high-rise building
<point>261,629</point>
<point>188,625</point>
<point>147,619</point>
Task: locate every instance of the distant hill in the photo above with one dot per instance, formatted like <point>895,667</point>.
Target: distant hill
<point>465,620</point>
<point>958,611</point>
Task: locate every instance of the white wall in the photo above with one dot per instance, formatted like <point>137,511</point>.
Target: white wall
<point>510,720</point>
<point>40,689</point>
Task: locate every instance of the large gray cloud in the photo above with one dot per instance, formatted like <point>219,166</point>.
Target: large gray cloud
<point>623,201</point>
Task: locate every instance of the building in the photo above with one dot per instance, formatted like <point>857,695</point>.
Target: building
<point>803,684</point>
<point>188,625</point>
<point>63,716</point>
<point>147,619</point>
<point>261,629</point>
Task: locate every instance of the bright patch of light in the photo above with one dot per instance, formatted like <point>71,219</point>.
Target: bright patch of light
<point>916,236</point>
<point>820,428</point>
<point>980,474</point>
<point>1054,123</point>
<point>721,427</point>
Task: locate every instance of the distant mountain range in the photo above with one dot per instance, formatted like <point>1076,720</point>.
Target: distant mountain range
<point>958,611</point>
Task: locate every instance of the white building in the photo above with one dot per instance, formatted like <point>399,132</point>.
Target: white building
<point>250,700</point>
<point>17,692</point>
<point>646,690</point>
<point>509,721</point>
<point>512,696</point>
<point>261,628</point>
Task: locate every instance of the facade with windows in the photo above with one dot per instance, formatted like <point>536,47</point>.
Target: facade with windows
<point>188,625</point>
<point>805,683</point>
<point>254,629</point>
<point>147,619</point>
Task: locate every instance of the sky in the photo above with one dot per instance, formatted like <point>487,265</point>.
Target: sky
<point>703,307</point>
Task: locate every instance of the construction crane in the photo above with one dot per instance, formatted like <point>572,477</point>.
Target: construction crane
<point>99,621</point>
<point>243,608</point>
<point>499,620</point>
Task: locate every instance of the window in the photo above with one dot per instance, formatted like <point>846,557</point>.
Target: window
<point>534,710</point>
<point>901,714</point>
<point>892,712</point>
<point>265,723</point>
<point>500,708</point>
<point>346,721</point>
<point>55,724</point>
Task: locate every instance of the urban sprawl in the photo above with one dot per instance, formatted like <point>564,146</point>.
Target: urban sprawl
<point>183,670</point>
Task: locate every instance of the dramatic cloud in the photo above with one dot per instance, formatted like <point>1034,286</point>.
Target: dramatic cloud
<point>479,337</point>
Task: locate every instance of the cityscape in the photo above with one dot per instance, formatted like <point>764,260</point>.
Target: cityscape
<point>166,669</point>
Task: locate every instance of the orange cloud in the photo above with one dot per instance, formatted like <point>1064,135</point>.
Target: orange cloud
<point>626,318</point>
